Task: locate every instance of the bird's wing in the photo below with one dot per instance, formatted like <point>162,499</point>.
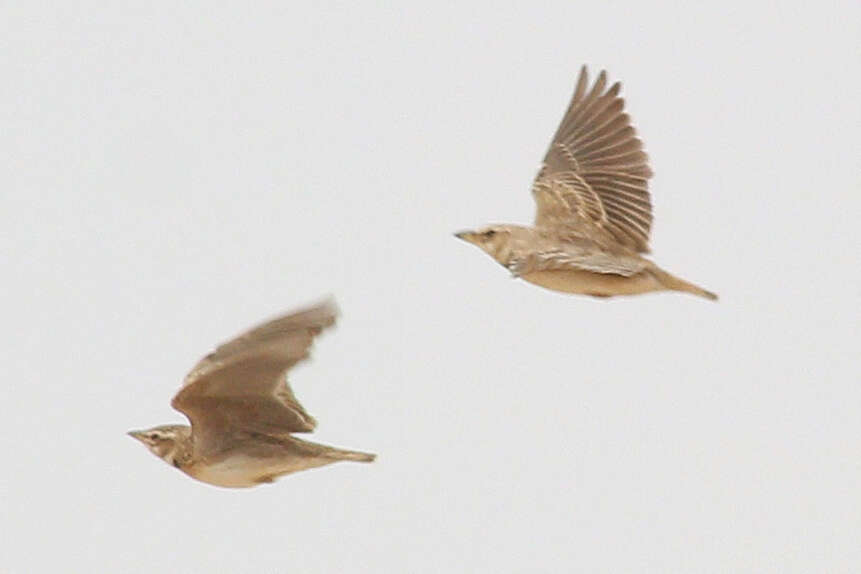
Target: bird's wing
<point>595,260</point>
<point>242,387</point>
<point>595,173</point>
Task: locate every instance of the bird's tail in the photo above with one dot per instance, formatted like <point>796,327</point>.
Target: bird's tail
<point>353,455</point>
<point>324,452</point>
<point>675,284</point>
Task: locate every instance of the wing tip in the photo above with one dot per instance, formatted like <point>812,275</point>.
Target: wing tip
<point>323,312</point>
<point>584,72</point>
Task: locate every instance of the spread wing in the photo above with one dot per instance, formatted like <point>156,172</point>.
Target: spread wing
<point>596,261</point>
<point>241,386</point>
<point>594,178</point>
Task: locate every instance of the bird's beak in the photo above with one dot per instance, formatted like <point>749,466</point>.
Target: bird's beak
<point>465,235</point>
<point>139,435</point>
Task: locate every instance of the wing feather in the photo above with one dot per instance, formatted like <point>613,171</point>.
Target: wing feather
<point>594,260</point>
<point>597,159</point>
<point>242,387</point>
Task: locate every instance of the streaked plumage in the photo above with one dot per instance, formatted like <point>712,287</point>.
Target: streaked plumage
<point>593,209</point>
<point>243,411</point>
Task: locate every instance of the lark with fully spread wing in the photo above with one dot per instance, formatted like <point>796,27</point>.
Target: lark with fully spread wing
<point>243,412</point>
<point>593,213</point>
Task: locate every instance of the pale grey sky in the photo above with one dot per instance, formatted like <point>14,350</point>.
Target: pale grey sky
<point>173,174</point>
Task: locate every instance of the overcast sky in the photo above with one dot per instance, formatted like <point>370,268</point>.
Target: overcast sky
<point>173,173</point>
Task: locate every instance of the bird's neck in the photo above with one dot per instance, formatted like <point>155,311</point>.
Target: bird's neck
<point>181,452</point>
<point>506,247</point>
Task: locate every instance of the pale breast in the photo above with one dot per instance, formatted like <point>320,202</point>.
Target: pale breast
<point>237,471</point>
<point>242,471</point>
<point>589,283</point>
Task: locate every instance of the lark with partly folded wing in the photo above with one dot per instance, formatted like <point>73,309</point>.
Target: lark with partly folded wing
<point>593,212</point>
<point>243,412</point>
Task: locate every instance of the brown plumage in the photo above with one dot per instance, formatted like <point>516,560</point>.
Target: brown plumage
<point>593,209</point>
<point>243,411</point>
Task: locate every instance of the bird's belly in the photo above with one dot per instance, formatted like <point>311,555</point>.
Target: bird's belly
<point>243,471</point>
<point>590,283</point>
<point>237,471</point>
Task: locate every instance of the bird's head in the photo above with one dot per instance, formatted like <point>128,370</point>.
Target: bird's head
<point>495,240</point>
<point>163,440</point>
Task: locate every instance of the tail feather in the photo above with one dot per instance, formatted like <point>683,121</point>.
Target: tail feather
<point>674,283</point>
<point>355,456</point>
<point>323,452</point>
<point>352,455</point>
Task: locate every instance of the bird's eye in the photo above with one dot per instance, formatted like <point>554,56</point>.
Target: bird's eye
<point>490,233</point>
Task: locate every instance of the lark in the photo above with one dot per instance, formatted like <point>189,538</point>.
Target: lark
<point>243,412</point>
<point>593,209</point>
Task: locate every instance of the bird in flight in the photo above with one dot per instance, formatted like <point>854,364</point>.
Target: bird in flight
<point>243,411</point>
<point>593,210</point>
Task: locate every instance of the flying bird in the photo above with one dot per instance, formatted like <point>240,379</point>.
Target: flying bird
<point>593,210</point>
<point>243,412</point>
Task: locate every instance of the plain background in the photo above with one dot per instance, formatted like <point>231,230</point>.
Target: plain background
<point>173,174</point>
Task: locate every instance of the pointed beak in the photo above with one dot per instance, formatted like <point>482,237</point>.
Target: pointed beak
<point>139,435</point>
<point>465,235</point>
